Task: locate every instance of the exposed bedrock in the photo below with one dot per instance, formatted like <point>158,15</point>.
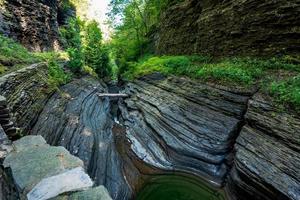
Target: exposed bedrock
<point>32,22</point>
<point>26,92</point>
<point>79,120</point>
<point>230,27</point>
<point>176,124</point>
<point>267,161</point>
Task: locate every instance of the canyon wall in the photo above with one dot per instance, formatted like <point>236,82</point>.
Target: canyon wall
<point>230,27</point>
<point>32,22</point>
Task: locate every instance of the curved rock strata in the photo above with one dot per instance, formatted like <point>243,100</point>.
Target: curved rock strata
<point>267,161</point>
<point>79,120</point>
<point>26,92</point>
<point>177,124</point>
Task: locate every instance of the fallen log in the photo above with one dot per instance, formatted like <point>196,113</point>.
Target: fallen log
<point>113,95</point>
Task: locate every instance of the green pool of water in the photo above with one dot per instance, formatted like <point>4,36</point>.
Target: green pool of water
<point>174,187</point>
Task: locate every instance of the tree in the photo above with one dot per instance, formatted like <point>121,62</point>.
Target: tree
<point>72,40</point>
<point>96,55</point>
<point>133,20</point>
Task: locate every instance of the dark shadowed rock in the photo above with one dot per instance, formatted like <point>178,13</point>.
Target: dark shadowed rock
<point>230,27</point>
<point>267,162</point>
<point>79,120</point>
<point>32,22</point>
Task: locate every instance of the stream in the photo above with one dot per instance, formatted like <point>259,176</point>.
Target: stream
<point>97,131</point>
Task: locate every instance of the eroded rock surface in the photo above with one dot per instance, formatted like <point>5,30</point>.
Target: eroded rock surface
<point>231,27</point>
<point>267,161</point>
<point>26,92</point>
<point>32,22</point>
<point>79,120</point>
<point>177,124</point>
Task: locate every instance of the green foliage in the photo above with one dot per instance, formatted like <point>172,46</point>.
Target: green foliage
<point>133,20</point>
<point>57,76</point>
<point>96,55</point>
<point>242,72</point>
<point>179,65</point>
<point>73,41</point>
<point>230,72</point>
<point>287,92</point>
<point>12,52</point>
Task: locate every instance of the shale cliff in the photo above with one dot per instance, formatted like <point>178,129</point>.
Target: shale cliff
<point>32,22</point>
<point>235,138</point>
<point>231,27</point>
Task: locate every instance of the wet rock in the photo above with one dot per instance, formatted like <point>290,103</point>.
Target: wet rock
<point>267,162</point>
<point>178,124</point>
<point>79,120</point>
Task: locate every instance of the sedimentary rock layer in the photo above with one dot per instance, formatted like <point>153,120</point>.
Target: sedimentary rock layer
<point>79,120</point>
<point>177,124</point>
<point>26,91</point>
<point>267,161</point>
<point>32,22</point>
<point>231,27</point>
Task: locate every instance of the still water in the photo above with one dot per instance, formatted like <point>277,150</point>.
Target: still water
<point>175,187</point>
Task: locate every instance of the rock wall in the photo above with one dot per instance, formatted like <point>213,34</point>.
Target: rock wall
<point>79,120</point>
<point>230,27</point>
<point>32,22</point>
<point>267,161</point>
<point>176,124</point>
<point>26,92</point>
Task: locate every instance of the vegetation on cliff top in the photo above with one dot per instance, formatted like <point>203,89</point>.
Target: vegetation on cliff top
<point>279,77</point>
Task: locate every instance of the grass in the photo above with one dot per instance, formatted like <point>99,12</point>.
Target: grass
<point>286,92</point>
<point>14,56</point>
<point>242,72</point>
<point>12,53</point>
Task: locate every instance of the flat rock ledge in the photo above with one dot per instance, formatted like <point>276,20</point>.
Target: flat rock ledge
<point>42,172</point>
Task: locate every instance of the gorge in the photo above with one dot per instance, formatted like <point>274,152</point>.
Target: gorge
<point>173,136</point>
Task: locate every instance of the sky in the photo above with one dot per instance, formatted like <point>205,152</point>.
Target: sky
<point>97,10</point>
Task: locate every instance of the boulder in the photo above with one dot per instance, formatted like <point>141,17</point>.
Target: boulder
<point>42,172</point>
<point>79,120</point>
<point>97,193</point>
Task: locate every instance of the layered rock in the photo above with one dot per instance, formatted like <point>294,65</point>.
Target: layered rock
<point>32,22</point>
<point>232,27</point>
<point>79,120</point>
<point>26,92</point>
<point>176,124</point>
<point>267,161</point>
<point>5,122</point>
